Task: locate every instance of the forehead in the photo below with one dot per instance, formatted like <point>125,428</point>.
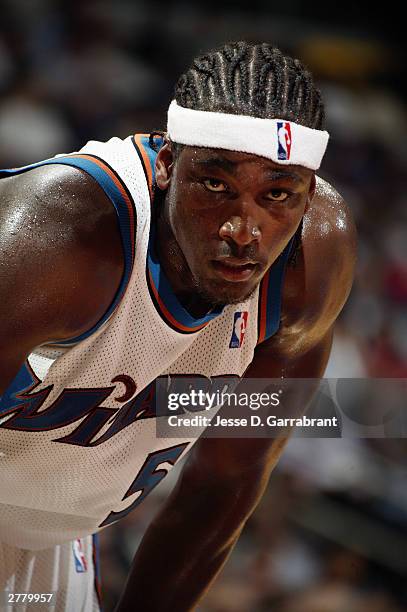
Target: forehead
<point>233,161</point>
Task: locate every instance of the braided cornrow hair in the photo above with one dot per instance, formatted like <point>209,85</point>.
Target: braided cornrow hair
<point>252,79</point>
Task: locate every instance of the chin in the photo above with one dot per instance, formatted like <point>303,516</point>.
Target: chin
<point>225,294</point>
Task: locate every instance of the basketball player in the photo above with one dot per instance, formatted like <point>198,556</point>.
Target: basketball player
<point>211,250</point>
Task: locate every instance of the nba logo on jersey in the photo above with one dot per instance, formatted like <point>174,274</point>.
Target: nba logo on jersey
<point>79,557</point>
<point>239,328</point>
<point>284,139</point>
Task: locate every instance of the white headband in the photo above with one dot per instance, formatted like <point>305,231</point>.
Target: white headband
<point>284,142</point>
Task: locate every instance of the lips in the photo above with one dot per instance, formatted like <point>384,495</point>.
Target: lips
<point>235,270</point>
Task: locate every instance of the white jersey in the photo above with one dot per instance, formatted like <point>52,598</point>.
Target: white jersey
<point>78,443</point>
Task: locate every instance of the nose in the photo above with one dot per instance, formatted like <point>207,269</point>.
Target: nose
<point>242,230</point>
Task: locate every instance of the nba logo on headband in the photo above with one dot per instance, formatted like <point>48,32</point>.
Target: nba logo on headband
<point>269,138</point>
<point>284,140</point>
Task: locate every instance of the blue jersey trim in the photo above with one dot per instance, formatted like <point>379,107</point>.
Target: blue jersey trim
<point>152,154</point>
<point>270,296</point>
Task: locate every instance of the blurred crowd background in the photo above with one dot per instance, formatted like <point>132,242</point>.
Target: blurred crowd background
<point>330,535</point>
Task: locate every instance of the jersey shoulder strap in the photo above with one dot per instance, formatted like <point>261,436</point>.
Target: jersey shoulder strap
<point>270,296</point>
<point>147,147</point>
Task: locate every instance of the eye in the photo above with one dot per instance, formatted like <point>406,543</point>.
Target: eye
<point>277,195</point>
<point>215,185</point>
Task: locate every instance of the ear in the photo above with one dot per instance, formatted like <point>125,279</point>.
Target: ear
<point>311,192</point>
<point>163,166</point>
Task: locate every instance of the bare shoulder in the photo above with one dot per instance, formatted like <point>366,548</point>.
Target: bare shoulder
<point>59,218</point>
<point>61,254</point>
<point>56,193</point>
<point>328,230</point>
<point>329,207</point>
<point>317,287</point>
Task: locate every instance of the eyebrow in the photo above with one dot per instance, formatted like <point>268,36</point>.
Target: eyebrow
<point>230,166</point>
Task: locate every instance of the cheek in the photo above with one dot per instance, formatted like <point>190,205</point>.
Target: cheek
<point>176,214</point>
<point>186,227</point>
<point>279,229</point>
<point>187,218</point>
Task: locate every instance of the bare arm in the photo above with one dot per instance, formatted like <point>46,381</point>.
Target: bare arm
<point>60,260</point>
<point>189,541</point>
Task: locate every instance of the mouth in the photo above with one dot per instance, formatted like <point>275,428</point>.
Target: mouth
<point>235,270</point>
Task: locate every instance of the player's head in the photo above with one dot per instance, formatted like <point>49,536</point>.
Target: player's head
<point>232,208</point>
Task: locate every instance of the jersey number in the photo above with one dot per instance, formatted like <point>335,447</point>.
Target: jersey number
<point>147,478</point>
